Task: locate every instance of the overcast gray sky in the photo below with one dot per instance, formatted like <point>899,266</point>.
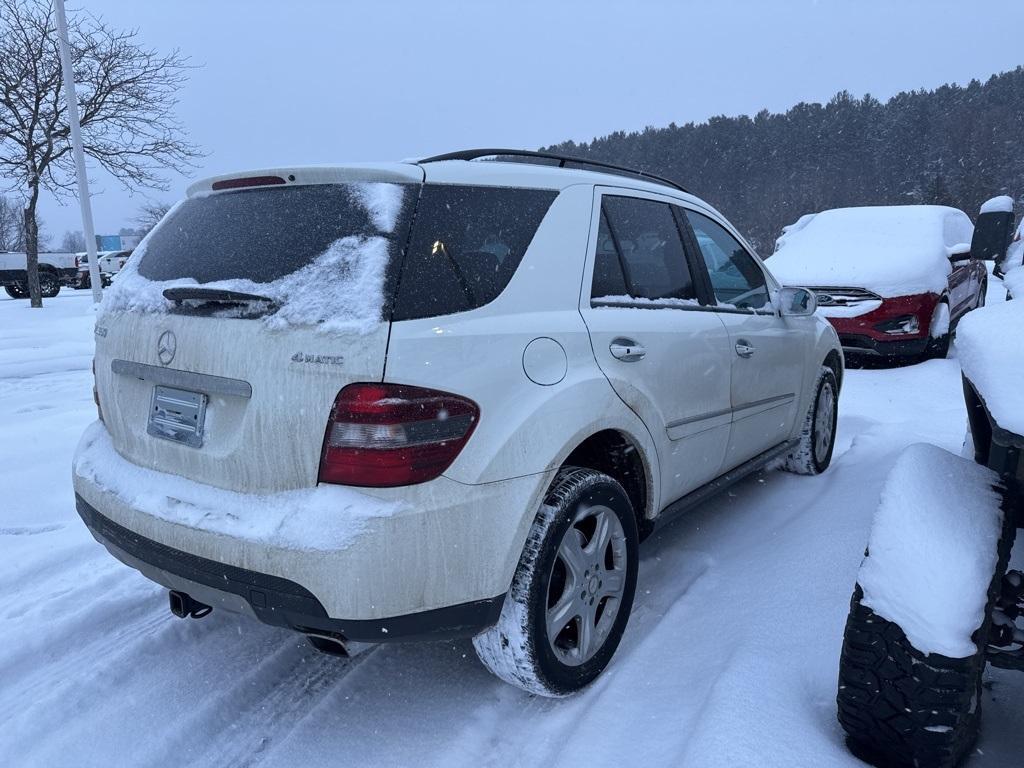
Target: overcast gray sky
<point>322,82</point>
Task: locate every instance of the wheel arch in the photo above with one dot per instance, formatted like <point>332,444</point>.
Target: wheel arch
<point>615,453</point>
<point>834,361</point>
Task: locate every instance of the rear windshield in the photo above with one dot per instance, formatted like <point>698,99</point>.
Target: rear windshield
<point>339,255</point>
<point>264,234</point>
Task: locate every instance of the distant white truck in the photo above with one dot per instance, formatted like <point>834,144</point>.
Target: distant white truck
<point>110,263</point>
<point>55,270</point>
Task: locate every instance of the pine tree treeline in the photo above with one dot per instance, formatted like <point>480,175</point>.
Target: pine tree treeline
<point>954,145</point>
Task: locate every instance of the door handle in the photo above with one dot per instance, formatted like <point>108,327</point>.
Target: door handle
<point>626,350</point>
<point>744,349</point>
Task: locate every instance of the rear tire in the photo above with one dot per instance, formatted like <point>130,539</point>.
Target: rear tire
<point>813,454</point>
<point>49,285</point>
<point>572,592</point>
<point>17,291</point>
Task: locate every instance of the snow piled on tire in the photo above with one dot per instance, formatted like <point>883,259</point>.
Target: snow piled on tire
<point>933,549</point>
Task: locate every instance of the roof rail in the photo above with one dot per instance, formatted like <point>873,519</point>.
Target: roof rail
<point>475,154</point>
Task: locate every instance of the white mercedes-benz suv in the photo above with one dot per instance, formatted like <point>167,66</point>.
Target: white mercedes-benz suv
<point>440,398</point>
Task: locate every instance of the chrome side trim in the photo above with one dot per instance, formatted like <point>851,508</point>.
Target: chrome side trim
<point>760,406</point>
<point>740,412</point>
<point>171,377</point>
<point>702,417</point>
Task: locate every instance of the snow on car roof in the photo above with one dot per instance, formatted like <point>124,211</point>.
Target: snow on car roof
<point>891,250</point>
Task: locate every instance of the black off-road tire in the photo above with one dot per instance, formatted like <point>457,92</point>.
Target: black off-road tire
<point>902,708</point>
<point>16,290</point>
<point>516,649</point>
<point>804,460</point>
<point>49,284</point>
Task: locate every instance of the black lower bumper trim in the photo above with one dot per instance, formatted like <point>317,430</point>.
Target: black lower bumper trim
<point>869,347</point>
<point>283,603</point>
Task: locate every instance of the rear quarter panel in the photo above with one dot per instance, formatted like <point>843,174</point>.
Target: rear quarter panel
<point>525,427</point>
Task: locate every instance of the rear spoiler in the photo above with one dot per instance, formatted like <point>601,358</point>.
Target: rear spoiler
<point>390,173</point>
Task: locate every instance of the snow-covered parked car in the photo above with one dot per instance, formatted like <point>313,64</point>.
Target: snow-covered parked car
<point>110,263</point>
<point>55,270</point>
<point>893,280</point>
<point>934,601</point>
<point>440,398</point>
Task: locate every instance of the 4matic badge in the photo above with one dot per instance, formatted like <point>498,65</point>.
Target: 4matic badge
<point>303,357</point>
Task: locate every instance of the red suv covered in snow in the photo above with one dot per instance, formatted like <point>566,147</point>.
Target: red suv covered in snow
<point>892,280</point>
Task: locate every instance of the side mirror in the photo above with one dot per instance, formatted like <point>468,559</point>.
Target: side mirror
<point>960,252</point>
<point>797,302</point>
<point>992,234</point>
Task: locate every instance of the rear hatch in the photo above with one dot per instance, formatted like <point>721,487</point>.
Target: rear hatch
<point>226,338</point>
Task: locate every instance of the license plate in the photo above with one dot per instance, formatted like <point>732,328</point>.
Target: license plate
<point>178,415</point>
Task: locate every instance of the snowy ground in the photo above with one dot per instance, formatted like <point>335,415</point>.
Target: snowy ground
<point>730,658</point>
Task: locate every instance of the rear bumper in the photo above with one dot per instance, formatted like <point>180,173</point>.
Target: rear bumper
<point>274,600</point>
<point>429,560</point>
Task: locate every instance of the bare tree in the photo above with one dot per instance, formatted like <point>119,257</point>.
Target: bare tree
<point>126,93</point>
<point>11,226</point>
<point>149,216</point>
<point>73,242</point>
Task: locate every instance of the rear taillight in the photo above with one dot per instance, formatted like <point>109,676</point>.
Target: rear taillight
<point>384,435</point>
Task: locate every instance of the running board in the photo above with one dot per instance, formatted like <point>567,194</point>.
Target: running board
<point>719,484</point>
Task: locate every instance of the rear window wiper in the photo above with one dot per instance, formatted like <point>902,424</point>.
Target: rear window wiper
<point>217,295</point>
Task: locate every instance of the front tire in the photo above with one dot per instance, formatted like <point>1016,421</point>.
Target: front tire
<point>940,332</point>
<point>572,592</point>
<point>813,454</point>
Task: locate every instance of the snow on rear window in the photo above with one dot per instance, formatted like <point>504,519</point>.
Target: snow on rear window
<point>319,253</point>
<point>891,250</point>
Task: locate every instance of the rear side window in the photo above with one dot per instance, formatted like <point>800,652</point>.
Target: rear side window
<point>465,245</point>
<point>640,252</point>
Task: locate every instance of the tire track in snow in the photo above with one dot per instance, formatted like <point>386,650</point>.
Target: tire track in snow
<point>265,706</point>
<point>33,688</point>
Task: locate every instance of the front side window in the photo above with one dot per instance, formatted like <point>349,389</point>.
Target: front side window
<point>465,245</point>
<point>640,253</point>
<point>736,278</point>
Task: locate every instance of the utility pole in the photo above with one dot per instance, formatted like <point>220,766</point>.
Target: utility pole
<point>76,144</point>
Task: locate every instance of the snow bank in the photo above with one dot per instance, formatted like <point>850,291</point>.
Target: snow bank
<point>340,291</point>
<point>990,346</point>
<point>933,549</point>
<point>891,250</point>
<point>1001,204</point>
<point>313,519</point>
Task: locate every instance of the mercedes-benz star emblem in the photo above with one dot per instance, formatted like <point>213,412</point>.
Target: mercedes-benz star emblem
<point>166,346</point>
